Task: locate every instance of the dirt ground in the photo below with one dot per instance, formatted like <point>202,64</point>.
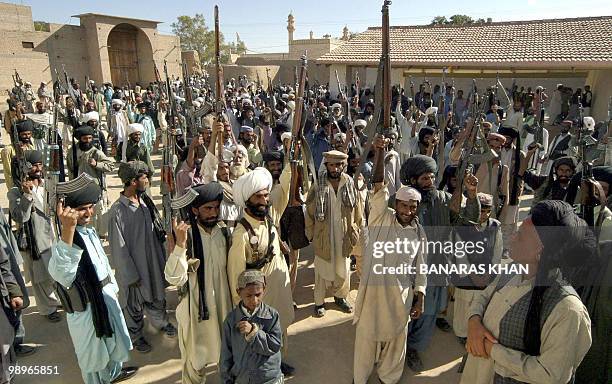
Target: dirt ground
<point>320,349</point>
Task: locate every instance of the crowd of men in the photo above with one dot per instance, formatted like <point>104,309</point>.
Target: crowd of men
<point>232,248</point>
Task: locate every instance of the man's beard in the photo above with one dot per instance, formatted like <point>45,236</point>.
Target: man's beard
<point>334,175</point>
<point>35,176</point>
<point>258,210</point>
<point>563,179</point>
<point>275,175</point>
<point>25,141</point>
<point>237,170</point>
<point>140,191</point>
<point>85,146</point>
<point>208,223</point>
<point>403,220</point>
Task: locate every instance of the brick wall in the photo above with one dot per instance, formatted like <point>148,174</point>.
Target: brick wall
<point>16,17</point>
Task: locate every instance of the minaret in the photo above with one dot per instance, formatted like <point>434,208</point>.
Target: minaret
<point>311,35</point>
<point>345,33</point>
<point>290,26</point>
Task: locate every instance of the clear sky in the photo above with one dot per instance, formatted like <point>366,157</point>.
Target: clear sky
<point>262,24</point>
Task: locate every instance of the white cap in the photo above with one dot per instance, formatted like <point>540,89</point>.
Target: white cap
<point>285,135</point>
<point>135,127</point>
<point>291,105</point>
<point>360,123</point>
<point>431,111</point>
<point>589,123</point>
<point>336,105</point>
<point>93,115</point>
<point>407,193</point>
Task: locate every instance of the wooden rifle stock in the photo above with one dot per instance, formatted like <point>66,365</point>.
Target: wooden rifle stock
<point>295,153</point>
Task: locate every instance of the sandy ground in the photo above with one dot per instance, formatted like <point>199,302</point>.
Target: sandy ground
<point>320,349</point>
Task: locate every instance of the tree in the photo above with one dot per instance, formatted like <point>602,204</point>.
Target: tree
<point>42,26</point>
<point>195,35</point>
<point>458,20</point>
<point>439,20</point>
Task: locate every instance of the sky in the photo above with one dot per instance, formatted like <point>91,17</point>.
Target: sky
<point>262,24</point>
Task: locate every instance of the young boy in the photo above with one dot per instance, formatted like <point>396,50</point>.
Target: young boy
<point>250,351</point>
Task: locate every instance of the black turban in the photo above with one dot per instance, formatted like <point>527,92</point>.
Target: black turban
<point>91,194</point>
<point>143,104</point>
<point>212,191</point>
<point>84,130</point>
<point>34,157</point>
<point>507,131</point>
<point>25,126</point>
<point>131,169</point>
<point>565,160</point>
<point>282,127</point>
<point>424,132</point>
<point>603,173</point>
<point>273,156</point>
<point>416,166</point>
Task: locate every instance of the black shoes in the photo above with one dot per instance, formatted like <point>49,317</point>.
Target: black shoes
<point>343,304</point>
<point>443,324</point>
<point>287,369</point>
<point>22,350</point>
<point>413,361</point>
<point>54,317</point>
<point>170,330</point>
<point>319,310</point>
<point>141,345</point>
<point>126,373</point>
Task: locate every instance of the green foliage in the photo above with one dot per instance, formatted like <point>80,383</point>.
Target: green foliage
<point>41,26</point>
<point>459,20</point>
<point>195,35</point>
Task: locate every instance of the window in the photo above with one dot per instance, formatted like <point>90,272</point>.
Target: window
<point>27,44</point>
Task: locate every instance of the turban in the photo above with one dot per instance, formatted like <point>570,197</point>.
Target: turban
<point>249,184</point>
<point>83,130</point>
<point>487,124</point>
<point>196,104</point>
<point>416,166</point>
<point>360,123</point>
<point>407,193</point>
<point>246,128</point>
<point>565,160</point>
<point>431,111</point>
<point>336,105</point>
<point>273,156</point>
<point>285,135</point>
<point>485,199</point>
<point>143,104</point>
<point>208,192</point>
<point>589,123</point>
<point>130,170</point>
<point>89,194</point>
<point>93,115</point>
<point>494,135</point>
<point>291,105</point>
<point>251,276</point>
<point>34,157</point>
<point>117,102</point>
<point>603,173</point>
<point>247,102</point>
<point>242,149</point>
<point>340,136</point>
<point>567,122</point>
<point>507,131</point>
<point>334,155</point>
<point>25,126</point>
<point>135,127</point>
<point>424,132</point>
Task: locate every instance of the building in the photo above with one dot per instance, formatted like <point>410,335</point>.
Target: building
<point>105,48</point>
<point>285,63</point>
<point>574,52</point>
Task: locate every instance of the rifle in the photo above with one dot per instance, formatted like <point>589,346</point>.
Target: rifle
<point>441,126</point>
<point>355,140</point>
<point>219,91</point>
<point>189,108</point>
<point>293,216</point>
<point>55,170</point>
<point>465,164</point>
<point>167,172</point>
<point>607,141</point>
<point>381,120</point>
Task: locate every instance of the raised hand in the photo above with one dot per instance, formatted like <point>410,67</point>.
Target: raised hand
<point>68,218</point>
<point>180,232</point>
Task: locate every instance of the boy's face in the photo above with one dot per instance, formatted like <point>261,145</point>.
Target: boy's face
<point>252,295</point>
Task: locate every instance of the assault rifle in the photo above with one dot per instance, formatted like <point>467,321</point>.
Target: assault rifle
<point>168,155</point>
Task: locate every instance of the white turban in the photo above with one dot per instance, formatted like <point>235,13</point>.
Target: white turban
<point>589,123</point>
<point>431,111</point>
<point>200,99</point>
<point>246,101</point>
<point>285,135</point>
<point>291,105</point>
<point>336,105</point>
<point>360,123</point>
<point>407,193</point>
<point>196,104</point>
<point>135,127</point>
<point>340,136</point>
<point>93,115</point>
<point>249,184</point>
<point>117,102</point>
